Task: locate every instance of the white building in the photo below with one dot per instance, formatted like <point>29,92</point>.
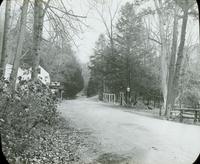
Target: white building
<point>44,76</point>
<point>25,74</point>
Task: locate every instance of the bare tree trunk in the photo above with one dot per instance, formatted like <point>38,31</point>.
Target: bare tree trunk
<point>198,3</point>
<point>20,41</point>
<point>5,37</point>
<point>179,57</point>
<point>39,13</point>
<point>1,30</point>
<point>172,62</point>
<point>37,35</point>
<point>159,6</point>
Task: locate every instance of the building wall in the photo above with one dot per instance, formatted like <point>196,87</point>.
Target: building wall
<point>44,76</point>
<point>25,74</point>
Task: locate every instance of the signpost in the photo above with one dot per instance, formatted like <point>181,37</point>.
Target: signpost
<point>128,95</point>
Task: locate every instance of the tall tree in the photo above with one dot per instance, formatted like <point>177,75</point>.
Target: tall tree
<point>5,37</point>
<point>59,19</point>
<point>124,68</point>
<point>20,41</point>
<point>163,47</point>
<point>176,60</point>
<point>198,3</point>
<point>130,44</point>
<point>37,36</point>
<point>171,67</point>
<point>180,52</point>
<point>107,19</point>
<point>98,68</point>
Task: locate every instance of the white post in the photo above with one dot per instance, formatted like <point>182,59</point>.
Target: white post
<point>112,98</point>
<point>61,95</point>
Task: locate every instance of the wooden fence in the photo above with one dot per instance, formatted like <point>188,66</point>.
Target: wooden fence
<point>109,97</point>
<point>186,113</point>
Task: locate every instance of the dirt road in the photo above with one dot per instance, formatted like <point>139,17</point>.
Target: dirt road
<point>116,136</point>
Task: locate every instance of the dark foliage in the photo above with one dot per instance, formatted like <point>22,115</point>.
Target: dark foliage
<point>73,84</point>
<point>24,116</point>
<point>131,62</point>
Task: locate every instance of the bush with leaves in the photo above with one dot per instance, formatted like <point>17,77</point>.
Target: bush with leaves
<point>189,87</point>
<point>190,98</point>
<point>24,116</point>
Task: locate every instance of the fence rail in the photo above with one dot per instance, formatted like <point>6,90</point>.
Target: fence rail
<point>109,97</point>
<point>186,113</point>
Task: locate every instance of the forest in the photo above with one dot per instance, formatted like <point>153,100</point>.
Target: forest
<point>146,56</point>
<point>150,50</point>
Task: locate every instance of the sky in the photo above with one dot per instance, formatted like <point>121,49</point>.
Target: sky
<point>85,42</point>
<point>90,35</point>
<point>87,39</point>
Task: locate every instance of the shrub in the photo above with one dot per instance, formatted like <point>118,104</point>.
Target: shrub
<point>190,98</point>
<point>25,117</point>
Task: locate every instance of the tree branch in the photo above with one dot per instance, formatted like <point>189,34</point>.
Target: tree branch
<point>155,40</point>
<point>68,13</point>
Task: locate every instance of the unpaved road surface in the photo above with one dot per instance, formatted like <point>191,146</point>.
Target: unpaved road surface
<point>115,136</point>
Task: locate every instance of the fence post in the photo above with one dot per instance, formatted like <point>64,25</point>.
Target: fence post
<point>160,110</point>
<point>170,116</point>
<point>181,116</point>
<point>195,116</point>
<point>198,116</point>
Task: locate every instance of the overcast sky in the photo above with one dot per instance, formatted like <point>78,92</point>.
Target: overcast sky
<point>86,42</point>
<point>87,39</point>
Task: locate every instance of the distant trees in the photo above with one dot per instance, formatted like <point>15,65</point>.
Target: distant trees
<point>149,60</point>
<point>86,76</point>
<point>130,63</point>
<point>99,72</point>
<point>73,83</point>
<point>63,66</point>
